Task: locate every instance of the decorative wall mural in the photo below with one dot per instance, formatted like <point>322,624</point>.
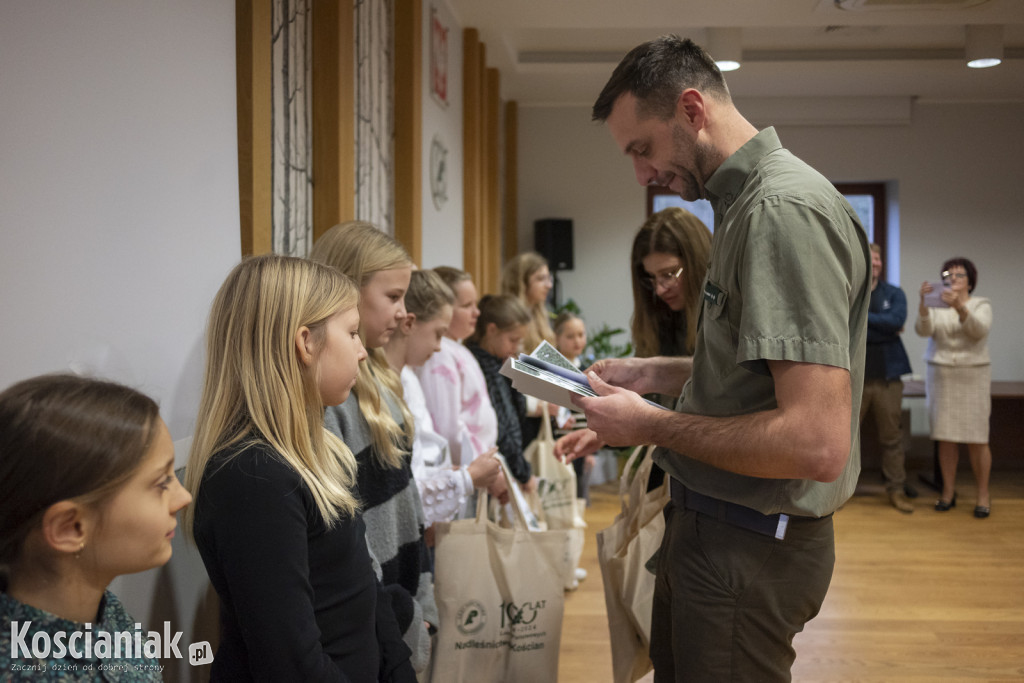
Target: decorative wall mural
<point>291,91</point>
<point>375,130</point>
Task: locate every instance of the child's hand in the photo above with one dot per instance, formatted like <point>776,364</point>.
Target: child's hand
<point>499,489</point>
<point>484,469</point>
<point>577,444</point>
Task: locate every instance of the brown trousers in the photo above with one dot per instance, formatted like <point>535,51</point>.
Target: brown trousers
<point>884,399</point>
<point>728,601</point>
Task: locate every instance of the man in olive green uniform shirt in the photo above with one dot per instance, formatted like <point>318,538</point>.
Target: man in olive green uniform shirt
<point>764,444</point>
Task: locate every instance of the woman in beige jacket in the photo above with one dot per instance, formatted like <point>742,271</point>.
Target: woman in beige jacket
<point>959,379</point>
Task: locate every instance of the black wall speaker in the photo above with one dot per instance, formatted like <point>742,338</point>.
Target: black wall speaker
<point>552,239</point>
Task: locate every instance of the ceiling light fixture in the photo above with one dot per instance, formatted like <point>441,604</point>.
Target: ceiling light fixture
<point>725,47</point>
<point>984,46</point>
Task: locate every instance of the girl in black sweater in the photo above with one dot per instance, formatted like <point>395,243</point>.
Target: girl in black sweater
<point>275,519</point>
<point>499,335</point>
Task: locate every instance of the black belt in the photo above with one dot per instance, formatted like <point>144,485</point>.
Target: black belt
<point>730,513</point>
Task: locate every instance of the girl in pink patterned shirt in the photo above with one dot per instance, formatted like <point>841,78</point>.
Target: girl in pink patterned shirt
<point>454,385</point>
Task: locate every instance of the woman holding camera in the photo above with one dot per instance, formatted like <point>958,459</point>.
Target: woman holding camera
<point>959,379</point>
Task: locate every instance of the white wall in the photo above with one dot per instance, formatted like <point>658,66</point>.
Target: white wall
<point>959,176</point>
<point>442,227</point>
<point>118,189</point>
<point>118,203</point>
<point>956,168</point>
<point>569,168</point>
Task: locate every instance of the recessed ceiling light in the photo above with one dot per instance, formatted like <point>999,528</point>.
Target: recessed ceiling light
<point>984,46</point>
<point>725,46</point>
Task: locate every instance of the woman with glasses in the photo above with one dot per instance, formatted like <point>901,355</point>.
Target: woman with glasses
<point>959,379</point>
<point>668,264</point>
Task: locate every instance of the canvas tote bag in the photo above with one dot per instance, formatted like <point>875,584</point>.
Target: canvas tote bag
<point>500,597</point>
<point>559,508</point>
<point>558,490</point>
<point>623,551</point>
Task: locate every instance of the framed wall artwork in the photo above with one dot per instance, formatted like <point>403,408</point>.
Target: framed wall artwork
<point>438,59</point>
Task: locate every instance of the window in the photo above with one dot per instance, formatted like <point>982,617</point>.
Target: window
<point>868,200</point>
<point>659,198</point>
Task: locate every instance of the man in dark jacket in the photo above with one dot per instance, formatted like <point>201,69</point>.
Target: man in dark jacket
<point>886,362</point>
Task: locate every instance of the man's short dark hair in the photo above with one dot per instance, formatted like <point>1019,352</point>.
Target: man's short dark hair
<point>656,72</point>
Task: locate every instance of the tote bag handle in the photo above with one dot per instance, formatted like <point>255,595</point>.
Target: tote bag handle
<point>545,423</point>
<point>514,494</point>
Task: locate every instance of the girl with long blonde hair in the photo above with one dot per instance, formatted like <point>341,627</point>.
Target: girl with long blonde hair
<point>377,426</point>
<point>528,278</point>
<point>276,518</point>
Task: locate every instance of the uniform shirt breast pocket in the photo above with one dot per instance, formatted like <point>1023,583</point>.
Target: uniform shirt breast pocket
<point>718,334</point>
<point>714,299</point>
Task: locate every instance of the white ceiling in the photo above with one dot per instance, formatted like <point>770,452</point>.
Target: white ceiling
<point>562,51</point>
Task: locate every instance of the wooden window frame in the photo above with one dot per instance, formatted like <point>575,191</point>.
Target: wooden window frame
<point>881,226</point>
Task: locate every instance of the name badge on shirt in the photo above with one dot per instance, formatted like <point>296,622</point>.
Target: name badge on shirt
<point>713,295</point>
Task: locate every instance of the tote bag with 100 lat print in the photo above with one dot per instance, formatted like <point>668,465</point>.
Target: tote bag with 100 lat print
<point>500,599</point>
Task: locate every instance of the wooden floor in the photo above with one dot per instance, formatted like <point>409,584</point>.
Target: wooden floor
<point>922,597</point>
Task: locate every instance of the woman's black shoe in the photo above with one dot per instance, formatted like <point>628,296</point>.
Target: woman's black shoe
<point>981,512</point>
<point>945,506</point>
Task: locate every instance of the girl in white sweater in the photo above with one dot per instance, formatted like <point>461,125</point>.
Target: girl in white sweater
<point>444,488</point>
